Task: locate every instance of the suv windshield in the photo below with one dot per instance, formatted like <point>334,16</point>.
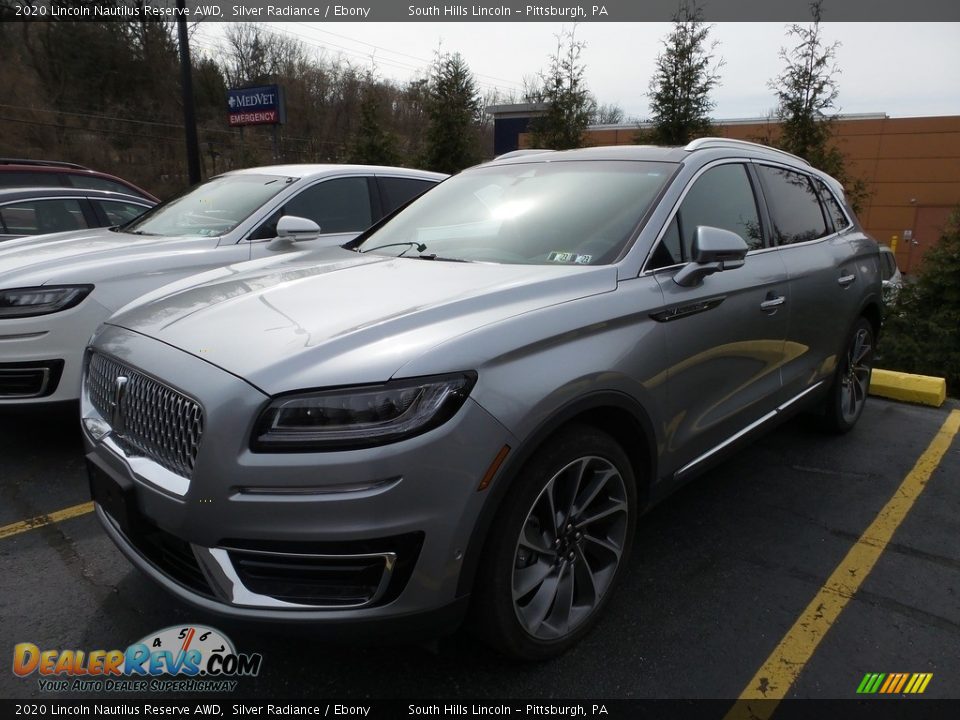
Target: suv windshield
<point>214,208</point>
<point>561,212</point>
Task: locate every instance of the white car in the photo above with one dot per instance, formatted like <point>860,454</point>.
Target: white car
<point>890,272</point>
<point>56,289</point>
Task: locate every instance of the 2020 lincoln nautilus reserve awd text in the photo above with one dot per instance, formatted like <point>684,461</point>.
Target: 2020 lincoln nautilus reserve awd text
<point>464,410</point>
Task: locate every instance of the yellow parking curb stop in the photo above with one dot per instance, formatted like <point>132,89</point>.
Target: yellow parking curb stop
<point>922,389</point>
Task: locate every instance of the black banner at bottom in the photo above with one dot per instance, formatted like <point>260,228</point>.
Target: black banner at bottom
<point>856,709</point>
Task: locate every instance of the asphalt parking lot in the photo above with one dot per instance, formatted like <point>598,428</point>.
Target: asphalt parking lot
<point>722,573</point>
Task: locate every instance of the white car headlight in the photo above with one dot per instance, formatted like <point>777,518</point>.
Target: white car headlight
<point>360,416</point>
<point>32,301</point>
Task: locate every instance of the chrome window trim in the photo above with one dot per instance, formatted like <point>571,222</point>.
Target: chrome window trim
<point>117,200</point>
<point>47,198</point>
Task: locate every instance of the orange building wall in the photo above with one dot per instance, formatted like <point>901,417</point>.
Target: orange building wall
<point>911,167</point>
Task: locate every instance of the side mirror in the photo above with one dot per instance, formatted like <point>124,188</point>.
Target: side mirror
<point>291,227</point>
<point>714,250</point>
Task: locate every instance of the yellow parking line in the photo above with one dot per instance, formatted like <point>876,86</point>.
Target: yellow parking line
<point>41,520</point>
<point>776,676</point>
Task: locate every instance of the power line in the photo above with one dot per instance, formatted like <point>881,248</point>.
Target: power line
<point>130,120</point>
<point>219,47</point>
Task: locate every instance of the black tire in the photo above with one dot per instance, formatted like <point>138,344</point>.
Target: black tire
<point>848,393</point>
<point>582,566</point>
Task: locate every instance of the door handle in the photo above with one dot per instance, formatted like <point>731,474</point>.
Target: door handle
<point>772,303</point>
<point>845,280</point>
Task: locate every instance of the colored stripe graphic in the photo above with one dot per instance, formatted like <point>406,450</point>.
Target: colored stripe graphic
<point>894,683</point>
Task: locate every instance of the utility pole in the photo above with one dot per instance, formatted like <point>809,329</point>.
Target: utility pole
<point>186,88</point>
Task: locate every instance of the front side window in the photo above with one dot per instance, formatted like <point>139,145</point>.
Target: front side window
<point>36,217</point>
<point>566,213</point>
<point>119,212</point>
<point>214,208</point>
<point>723,198</point>
<point>338,206</point>
<point>794,208</point>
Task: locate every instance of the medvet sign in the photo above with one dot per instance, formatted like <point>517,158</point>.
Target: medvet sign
<point>256,105</point>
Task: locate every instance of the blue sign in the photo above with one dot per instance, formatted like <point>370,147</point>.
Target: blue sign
<point>263,105</point>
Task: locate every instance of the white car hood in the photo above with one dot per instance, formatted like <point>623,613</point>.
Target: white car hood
<point>84,256</point>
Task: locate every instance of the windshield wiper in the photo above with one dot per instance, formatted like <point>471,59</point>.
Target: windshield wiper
<point>419,246</point>
<point>140,232</point>
<point>434,256</point>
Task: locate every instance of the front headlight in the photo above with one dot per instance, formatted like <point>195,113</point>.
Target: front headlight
<point>31,301</point>
<point>360,416</point>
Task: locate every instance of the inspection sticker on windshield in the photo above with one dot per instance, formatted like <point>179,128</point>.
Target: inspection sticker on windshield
<point>569,257</point>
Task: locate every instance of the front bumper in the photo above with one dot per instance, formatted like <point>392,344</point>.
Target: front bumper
<point>332,538</point>
<point>41,358</point>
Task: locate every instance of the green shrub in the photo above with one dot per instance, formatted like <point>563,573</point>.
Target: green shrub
<point>922,327</point>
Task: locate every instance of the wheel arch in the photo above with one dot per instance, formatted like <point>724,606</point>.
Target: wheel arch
<point>616,414</point>
<point>874,315</point>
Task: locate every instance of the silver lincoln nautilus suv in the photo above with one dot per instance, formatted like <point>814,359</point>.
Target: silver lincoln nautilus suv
<point>466,408</point>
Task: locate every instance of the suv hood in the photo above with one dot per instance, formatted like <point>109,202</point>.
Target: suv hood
<point>348,318</point>
<point>83,255</point>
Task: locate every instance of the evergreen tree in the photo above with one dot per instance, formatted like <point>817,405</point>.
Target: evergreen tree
<point>371,143</point>
<point>684,78</point>
<point>453,111</point>
<point>922,329</point>
<point>569,103</point>
<point>806,94</point>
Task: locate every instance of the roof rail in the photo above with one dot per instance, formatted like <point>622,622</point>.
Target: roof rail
<point>521,153</point>
<point>48,163</point>
<point>715,142</point>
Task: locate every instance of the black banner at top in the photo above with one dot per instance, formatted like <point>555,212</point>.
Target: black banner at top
<point>473,11</point>
<point>450,709</point>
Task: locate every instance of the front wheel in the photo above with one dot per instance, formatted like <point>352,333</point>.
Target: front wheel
<point>558,546</point>
<point>848,394</point>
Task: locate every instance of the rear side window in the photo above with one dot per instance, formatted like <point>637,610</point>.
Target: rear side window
<point>92,182</point>
<point>888,265</point>
<point>723,198</point>
<point>834,210</point>
<point>395,192</point>
<point>794,208</point>
<point>36,217</point>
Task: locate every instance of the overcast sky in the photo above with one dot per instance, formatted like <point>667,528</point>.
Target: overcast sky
<point>902,69</point>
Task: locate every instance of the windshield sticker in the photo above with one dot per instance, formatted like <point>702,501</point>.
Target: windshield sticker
<point>569,257</point>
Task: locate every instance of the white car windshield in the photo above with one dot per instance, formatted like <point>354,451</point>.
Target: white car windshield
<point>562,212</point>
<point>214,208</point>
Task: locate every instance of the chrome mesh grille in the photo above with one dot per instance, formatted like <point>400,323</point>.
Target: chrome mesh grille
<point>156,421</point>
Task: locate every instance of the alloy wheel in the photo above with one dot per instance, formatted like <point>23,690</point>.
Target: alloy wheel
<point>856,375</point>
<point>570,547</point>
